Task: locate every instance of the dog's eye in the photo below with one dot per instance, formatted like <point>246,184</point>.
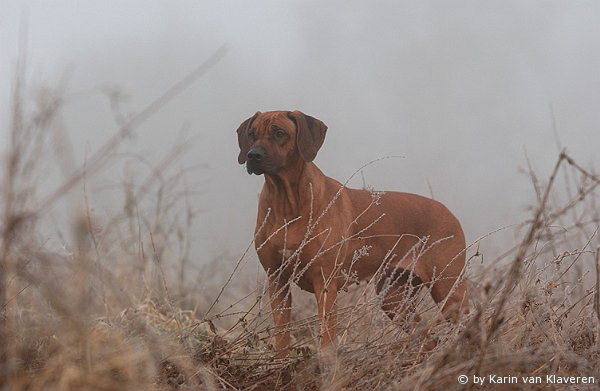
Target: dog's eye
<point>252,134</point>
<point>279,133</point>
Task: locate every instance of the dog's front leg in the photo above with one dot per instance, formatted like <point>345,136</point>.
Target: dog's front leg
<point>326,293</point>
<point>281,303</point>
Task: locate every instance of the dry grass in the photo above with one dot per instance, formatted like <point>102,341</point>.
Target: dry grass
<point>112,308</point>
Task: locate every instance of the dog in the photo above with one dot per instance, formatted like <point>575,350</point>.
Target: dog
<point>313,231</point>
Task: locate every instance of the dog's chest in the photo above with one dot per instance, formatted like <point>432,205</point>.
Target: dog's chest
<point>292,245</point>
<point>289,241</point>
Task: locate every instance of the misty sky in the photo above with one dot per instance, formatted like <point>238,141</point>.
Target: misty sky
<point>461,89</point>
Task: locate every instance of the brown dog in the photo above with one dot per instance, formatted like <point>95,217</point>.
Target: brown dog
<point>315,232</point>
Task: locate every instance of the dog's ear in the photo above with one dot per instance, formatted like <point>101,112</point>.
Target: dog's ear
<point>243,142</point>
<point>310,134</point>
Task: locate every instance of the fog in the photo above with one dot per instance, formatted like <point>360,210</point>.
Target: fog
<point>464,91</point>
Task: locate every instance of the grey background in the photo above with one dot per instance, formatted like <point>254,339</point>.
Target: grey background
<point>461,89</point>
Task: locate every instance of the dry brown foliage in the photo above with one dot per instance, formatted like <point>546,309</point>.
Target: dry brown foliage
<point>114,308</point>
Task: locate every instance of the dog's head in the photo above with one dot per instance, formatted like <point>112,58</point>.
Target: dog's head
<point>271,141</point>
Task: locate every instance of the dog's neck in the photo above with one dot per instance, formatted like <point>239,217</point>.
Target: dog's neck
<point>288,192</point>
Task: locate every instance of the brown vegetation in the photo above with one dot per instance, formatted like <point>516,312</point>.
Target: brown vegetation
<point>112,308</point>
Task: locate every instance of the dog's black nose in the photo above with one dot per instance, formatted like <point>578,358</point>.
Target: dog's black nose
<point>256,154</point>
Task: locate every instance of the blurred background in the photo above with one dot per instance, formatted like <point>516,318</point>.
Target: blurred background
<point>465,91</point>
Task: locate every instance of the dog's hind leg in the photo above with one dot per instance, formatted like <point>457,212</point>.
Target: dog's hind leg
<point>399,290</point>
<point>454,298</point>
<point>399,303</point>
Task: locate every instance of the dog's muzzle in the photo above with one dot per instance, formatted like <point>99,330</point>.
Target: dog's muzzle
<point>255,160</point>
